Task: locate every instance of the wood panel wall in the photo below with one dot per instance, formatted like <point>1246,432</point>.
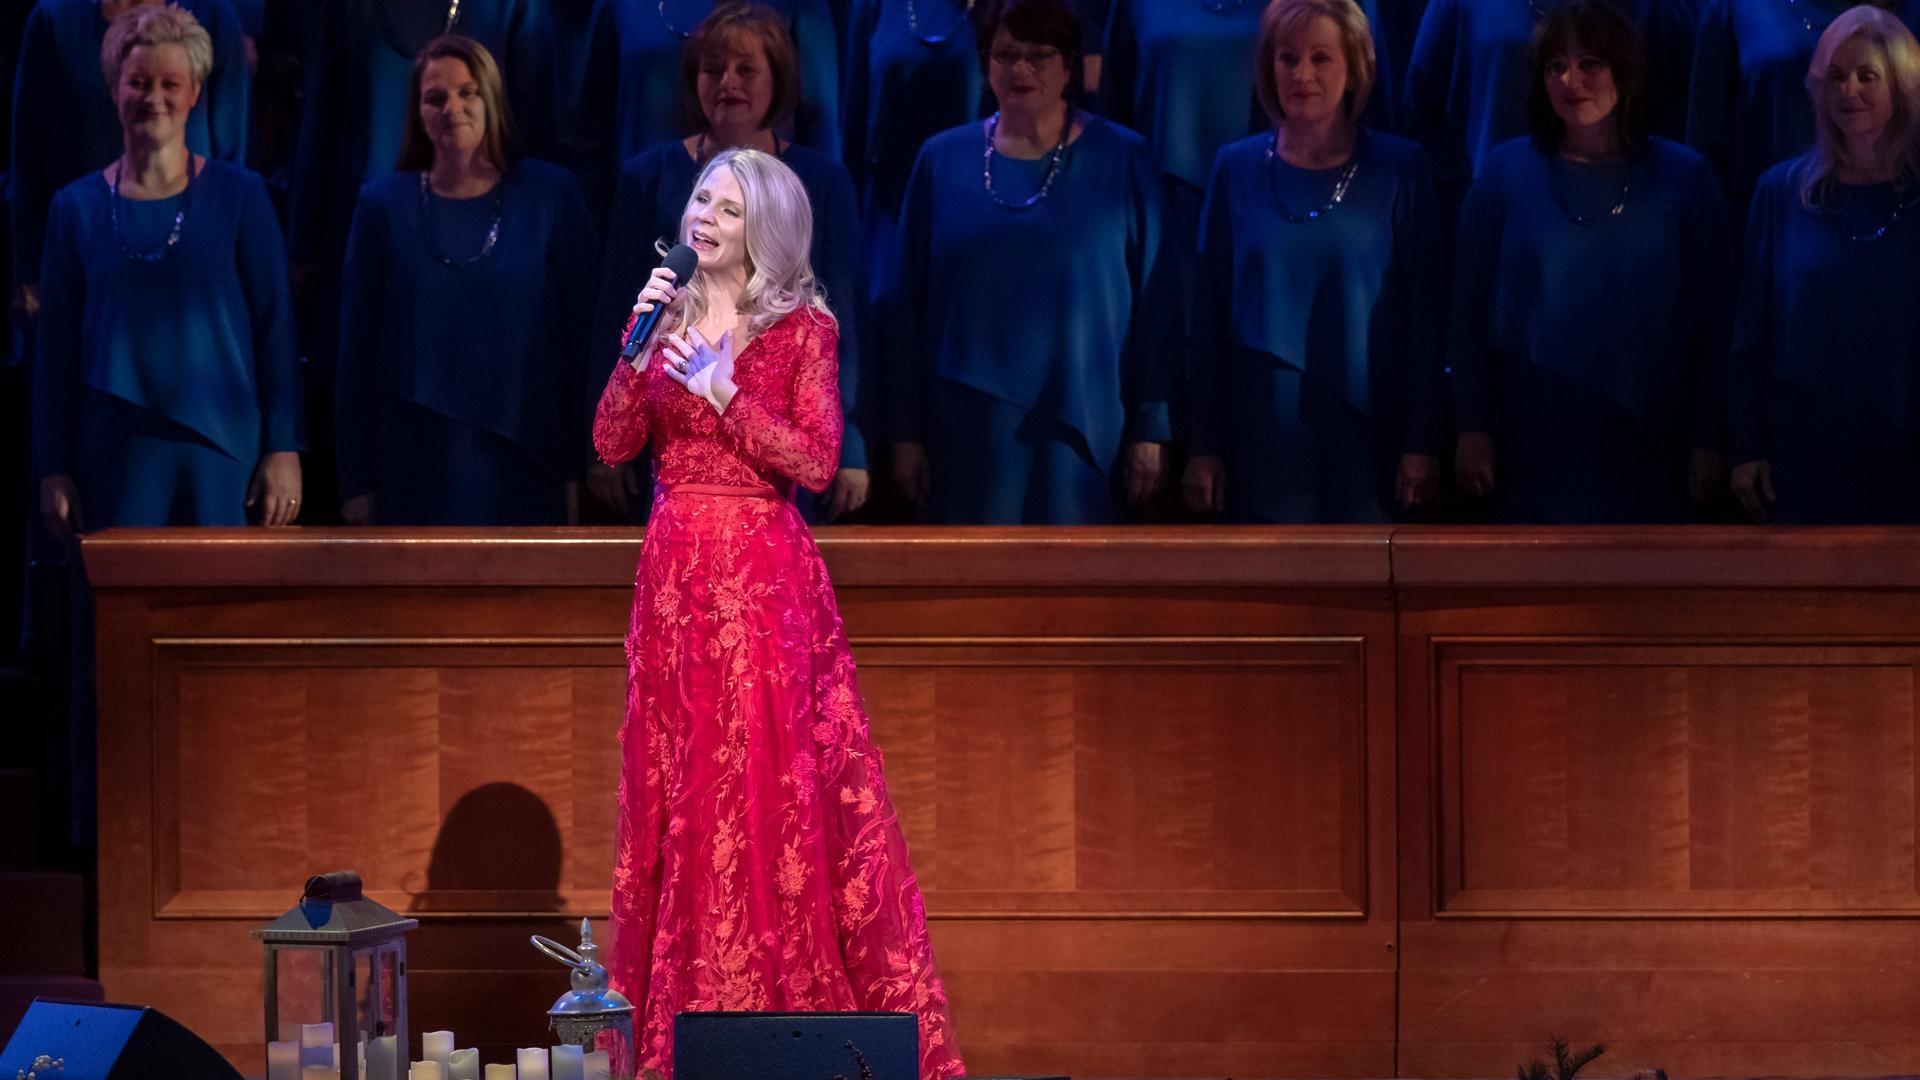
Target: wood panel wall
<point>1300,802</point>
<point>1147,778</point>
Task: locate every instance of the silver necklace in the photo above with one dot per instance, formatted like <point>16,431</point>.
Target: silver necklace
<point>1221,7</point>
<point>1340,184</point>
<point>179,217</point>
<point>1885,226</point>
<point>453,15</point>
<point>1800,12</point>
<point>433,244</point>
<point>1566,205</point>
<point>1046,183</point>
<point>683,35</point>
<point>913,24</point>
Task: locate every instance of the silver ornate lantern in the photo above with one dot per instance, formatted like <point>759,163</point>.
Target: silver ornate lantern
<point>591,1016</point>
<point>363,964</point>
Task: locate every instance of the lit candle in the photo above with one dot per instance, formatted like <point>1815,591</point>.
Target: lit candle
<point>383,1057</point>
<point>501,1072</point>
<point>533,1063</point>
<point>283,1061</point>
<point>599,1065</point>
<point>463,1065</point>
<point>427,1070</point>
<point>569,1063</point>
<point>316,1044</point>
<point>437,1046</point>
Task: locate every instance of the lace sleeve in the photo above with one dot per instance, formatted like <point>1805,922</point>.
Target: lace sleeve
<point>620,421</point>
<point>804,441</point>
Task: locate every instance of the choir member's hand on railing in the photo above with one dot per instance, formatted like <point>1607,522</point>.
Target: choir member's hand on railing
<point>275,489</point>
<point>1146,463</point>
<point>359,510</point>
<point>1418,481</point>
<point>60,506</point>
<point>1205,484</point>
<point>26,300</point>
<point>613,486</point>
<point>1473,463</point>
<point>848,493</point>
<point>1752,485</point>
<point>1706,475</point>
<point>912,473</point>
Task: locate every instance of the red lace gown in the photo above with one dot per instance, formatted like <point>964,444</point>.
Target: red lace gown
<point>760,862</point>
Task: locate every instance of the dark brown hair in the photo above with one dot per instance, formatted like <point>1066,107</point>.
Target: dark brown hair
<point>1037,22</point>
<point>502,144</point>
<point>745,25</point>
<point>1600,28</point>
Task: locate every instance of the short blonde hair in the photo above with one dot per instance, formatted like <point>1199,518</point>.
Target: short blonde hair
<point>779,236</point>
<point>1884,31</point>
<point>1284,18</point>
<point>156,24</point>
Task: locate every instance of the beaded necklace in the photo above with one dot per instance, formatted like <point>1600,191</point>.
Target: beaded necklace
<point>1221,7</point>
<point>179,217</point>
<point>683,35</point>
<point>913,24</point>
<point>1341,183</point>
<point>433,244</point>
<point>1884,227</point>
<point>1566,205</point>
<point>1046,183</point>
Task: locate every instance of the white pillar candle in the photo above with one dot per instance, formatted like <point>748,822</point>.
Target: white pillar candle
<point>316,1044</point>
<point>501,1072</point>
<point>532,1061</point>
<point>463,1065</point>
<point>568,1063</point>
<point>437,1046</point>
<point>283,1061</point>
<point>427,1070</point>
<point>599,1065</point>
<point>383,1056</point>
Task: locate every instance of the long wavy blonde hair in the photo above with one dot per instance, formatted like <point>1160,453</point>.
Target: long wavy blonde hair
<point>779,234</point>
<point>1820,167</point>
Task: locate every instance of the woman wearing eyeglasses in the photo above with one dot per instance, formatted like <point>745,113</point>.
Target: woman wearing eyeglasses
<point>1822,404</point>
<point>1031,327</point>
<point>1314,378</point>
<point>1590,297</point>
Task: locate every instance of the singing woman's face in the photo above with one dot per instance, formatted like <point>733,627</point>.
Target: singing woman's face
<point>155,93</point>
<point>735,85</point>
<point>715,224</point>
<point>452,109</point>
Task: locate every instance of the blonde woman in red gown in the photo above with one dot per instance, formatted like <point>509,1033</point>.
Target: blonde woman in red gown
<point>760,865</point>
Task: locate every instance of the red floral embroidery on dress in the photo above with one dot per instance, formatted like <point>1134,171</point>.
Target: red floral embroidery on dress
<point>760,862</point>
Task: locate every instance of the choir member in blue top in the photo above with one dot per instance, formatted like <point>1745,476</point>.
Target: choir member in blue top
<point>356,110</point>
<point>1747,108</point>
<point>64,121</point>
<point>469,285</point>
<point>1315,376</point>
<point>165,390</point>
<point>747,83</point>
<point>1032,325</point>
<point>1465,83</point>
<point>1821,380</point>
<point>1590,300</point>
<point>911,71</point>
<point>630,96</point>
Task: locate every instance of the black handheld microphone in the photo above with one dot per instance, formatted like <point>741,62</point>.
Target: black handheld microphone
<point>681,261</point>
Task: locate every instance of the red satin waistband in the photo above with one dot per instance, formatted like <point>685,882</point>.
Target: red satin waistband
<point>741,492</point>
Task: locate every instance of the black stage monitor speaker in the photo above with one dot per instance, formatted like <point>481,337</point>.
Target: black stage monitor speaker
<point>108,1042</point>
<point>795,1046</point>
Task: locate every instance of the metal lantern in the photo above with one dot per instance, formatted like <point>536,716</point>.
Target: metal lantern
<point>591,1015</point>
<point>363,963</point>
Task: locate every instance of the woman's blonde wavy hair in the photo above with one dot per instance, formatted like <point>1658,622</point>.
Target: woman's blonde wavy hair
<point>779,233</point>
<point>1821,166</point>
